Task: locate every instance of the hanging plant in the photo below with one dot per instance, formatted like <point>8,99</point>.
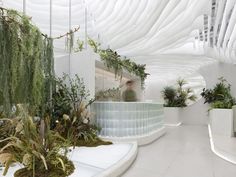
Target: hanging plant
<point>26,62</point>
<point>80,46</point>
<point>94,45</point>
<point>113,60</point>
<point>70,41</point>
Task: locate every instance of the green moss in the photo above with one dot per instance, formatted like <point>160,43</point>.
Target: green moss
<point>93,143</point>
<point>53,171</point>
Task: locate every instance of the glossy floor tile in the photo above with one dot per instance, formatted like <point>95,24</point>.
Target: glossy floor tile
<point>183,152</point>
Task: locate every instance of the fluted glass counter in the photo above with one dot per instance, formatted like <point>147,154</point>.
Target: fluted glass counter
<point>125,119</point>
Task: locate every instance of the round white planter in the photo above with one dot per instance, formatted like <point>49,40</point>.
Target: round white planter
<point>102,161</point>
<point>172,116</point>
<point>221,122</point>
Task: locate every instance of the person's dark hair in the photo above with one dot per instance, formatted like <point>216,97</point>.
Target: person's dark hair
<point>129,82</point>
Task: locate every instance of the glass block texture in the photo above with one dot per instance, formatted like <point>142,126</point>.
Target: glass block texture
<point>121,119</point>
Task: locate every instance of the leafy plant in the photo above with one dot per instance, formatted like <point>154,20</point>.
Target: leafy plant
<point>80,46</point>
<point>222,104</point>
<point>37,148</point>
<point>113,94</point>
<point>169,94</point>
<point>26,62</point>
<point>71,114</point>
<point>114,61</point>
<point>220,96</point>
<point>69,44</point>
<point>178,97</point>
<point>94,45</point>
<point>7,128</point>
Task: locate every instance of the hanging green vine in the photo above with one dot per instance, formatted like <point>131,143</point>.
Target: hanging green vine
<point>113,60</point>
<point>26,62</point>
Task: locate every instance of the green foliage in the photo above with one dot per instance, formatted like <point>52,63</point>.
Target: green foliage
<point>94,45</point>
<point>7,128</point>
<point>220,96</point>
<point>36,147</point>
<point>169,94</point>
<point>69,95</point>
<point>80,46</point>
<point>224,104</point>
<point>69,41</point>
<point>113,94</point>
<point>71,117</point>
<point>178,97</point>
<point>114,61</point>
<point>54,170</point>
<point>26,60</point>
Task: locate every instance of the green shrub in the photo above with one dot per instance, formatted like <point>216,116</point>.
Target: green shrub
<point>71,115</point>
<point>221,105</point>
<point>220,96</point>
<point>178,97</point>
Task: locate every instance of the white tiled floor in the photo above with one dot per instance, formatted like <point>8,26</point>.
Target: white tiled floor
<point>183,152</point>
<point>225,147</point>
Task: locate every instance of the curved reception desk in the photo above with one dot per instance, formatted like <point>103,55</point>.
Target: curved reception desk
<point>129,121</point>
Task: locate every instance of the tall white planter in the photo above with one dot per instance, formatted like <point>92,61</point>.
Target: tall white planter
<point>221,122</point>
<point>172,116</point>
<point>234,120</point>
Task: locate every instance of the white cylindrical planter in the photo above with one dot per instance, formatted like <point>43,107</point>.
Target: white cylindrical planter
<point>172,116</point>
<point>221,122</point>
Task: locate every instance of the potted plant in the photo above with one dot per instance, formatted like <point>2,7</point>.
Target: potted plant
<point>221,102</point>
<point>176,98</point>
<point>36,147</point>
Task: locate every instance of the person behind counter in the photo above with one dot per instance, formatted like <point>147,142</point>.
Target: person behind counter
<point>129,94</point>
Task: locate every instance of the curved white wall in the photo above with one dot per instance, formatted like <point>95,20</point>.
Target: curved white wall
<point>172,68</point>
<point>198,112</point>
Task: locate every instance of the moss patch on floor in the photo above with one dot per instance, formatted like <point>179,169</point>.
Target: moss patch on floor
<point>92,143</point>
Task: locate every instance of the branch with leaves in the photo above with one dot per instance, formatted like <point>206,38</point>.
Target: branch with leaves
<point>113,60</point>
<point>8,19</point>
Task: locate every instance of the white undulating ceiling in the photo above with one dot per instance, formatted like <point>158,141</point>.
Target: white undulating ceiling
<point>173,37</point>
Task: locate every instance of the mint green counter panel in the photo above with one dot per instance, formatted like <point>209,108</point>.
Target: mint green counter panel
<point>122,119</point>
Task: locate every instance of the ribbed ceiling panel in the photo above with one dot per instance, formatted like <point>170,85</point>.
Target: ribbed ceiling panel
<point>170,36</point>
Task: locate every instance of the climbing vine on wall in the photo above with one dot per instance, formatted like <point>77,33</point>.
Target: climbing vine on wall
<point>26,62</point>
<point>114,61</point>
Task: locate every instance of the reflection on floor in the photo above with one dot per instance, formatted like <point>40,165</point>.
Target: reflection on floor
<point>224,146</point>
<point>183,152</point>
